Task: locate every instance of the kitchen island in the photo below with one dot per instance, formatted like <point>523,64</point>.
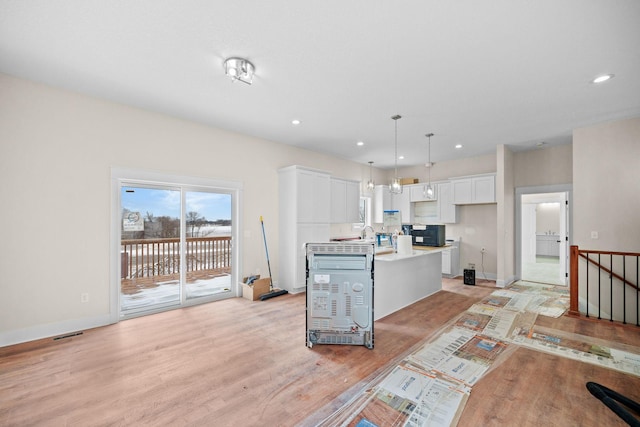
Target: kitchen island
<point>402,279</point>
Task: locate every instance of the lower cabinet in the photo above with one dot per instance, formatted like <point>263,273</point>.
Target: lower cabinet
<point>446,262</point>
<point>547,245</point>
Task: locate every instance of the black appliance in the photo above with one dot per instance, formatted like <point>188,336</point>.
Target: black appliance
<point>469,277</point>
<point>428,235</point>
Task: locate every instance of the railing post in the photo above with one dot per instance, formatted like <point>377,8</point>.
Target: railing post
<point>573,283</point>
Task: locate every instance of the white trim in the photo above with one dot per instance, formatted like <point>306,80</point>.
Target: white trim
<point>189,183</point>
<point>50,330</point>
<point>520,191</point>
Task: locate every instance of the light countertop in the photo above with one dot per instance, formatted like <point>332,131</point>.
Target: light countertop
<point>417,251</point>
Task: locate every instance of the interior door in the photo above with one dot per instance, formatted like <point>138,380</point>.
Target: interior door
<point>563,241</point>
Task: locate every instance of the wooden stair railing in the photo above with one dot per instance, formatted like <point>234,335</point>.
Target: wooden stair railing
<point>576,254</point>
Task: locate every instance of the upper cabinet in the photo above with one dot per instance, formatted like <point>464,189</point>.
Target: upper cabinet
<point>381,202</point>
<point>447,210</point>
<point>385,201</point>
<point>419,192</point>
<point>345,201</point>
<point>474,189</point>
<point>402,202</point>
<point>312,199</point>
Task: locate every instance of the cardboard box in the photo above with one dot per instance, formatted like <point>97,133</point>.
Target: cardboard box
<point>407,181</point>
<point>253,291</point>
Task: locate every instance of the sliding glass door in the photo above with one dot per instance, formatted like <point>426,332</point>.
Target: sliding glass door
<point>175,247</point>
<point>208,244</point>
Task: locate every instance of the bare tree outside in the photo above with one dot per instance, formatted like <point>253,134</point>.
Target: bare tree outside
<point>194,223</point>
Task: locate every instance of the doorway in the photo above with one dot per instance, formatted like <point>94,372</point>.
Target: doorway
<point>174,243</point>
<point>544,234</point>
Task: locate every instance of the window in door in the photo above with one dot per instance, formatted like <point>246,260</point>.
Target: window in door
<point>175,246</point>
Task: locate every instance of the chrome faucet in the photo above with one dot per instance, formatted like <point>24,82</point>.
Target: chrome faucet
<point>363,235</point>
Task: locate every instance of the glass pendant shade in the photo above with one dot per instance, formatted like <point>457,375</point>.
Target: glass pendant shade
<point>396,185</point>
<point>370,184</point>
<point>428,192</point>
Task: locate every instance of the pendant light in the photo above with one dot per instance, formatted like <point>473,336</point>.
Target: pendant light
<point>370,184</point>
<point>427,191</point>
<point>396,185</point>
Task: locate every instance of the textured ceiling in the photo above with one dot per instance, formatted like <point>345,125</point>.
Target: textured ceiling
<point>514,72</point>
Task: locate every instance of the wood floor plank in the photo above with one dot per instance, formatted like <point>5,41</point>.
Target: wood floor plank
<point>237,362</point>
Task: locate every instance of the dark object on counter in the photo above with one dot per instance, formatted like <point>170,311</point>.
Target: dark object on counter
<point>469,277</point>
<point>428,235</point>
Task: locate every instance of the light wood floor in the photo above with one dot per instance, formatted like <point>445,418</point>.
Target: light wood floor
<point>242,363</point>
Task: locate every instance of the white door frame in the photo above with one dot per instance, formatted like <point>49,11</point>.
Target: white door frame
<point>118,175</point>
<point>557,188</point>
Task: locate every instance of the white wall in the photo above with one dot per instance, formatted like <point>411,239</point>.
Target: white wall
<point>547,166</point>
<point>56,152</point>
<point>505,230</point>
<point>606,175</point>
<point>548,218</point>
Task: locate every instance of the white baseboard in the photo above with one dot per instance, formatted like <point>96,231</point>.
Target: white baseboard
<point>51,330</point>
<point>504,283</point>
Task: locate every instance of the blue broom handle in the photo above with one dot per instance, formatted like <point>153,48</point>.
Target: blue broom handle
<point>266,249</point>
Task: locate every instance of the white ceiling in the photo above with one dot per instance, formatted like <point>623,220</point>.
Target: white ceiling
<point>477,73</point>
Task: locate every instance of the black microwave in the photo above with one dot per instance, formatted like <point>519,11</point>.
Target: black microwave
<point>428,235</point>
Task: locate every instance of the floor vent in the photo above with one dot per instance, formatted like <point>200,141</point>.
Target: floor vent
<point>75,334</point>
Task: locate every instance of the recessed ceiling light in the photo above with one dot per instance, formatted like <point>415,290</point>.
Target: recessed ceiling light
<point>295,122</point>
<point>359,143</point>
<point>458,146</point>
<point>602,78</point>
<point>400,157</point>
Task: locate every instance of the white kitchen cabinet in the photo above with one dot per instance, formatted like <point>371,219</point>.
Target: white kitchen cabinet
<point>418,192</point>
<point>310,194</point>
<point>402,202</point>
<point>304,215</point>
<point>474,189</point>
<point>446,262</point>
<point>385,201</point>
<point>451,259</point>
<point>447,210</point>
<point>381,203</point>
<point>345,201</point>
<point>548,245</point>
<point>353,201</point>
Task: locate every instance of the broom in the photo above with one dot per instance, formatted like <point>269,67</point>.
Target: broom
<point>272,292</point>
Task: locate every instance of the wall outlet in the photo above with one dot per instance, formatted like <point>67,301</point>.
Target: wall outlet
<point>594,234</point>
<point>84,297</point>
<point>472,266</point>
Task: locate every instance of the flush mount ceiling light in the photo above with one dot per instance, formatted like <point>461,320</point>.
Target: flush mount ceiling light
<point>603,78</point>
<point>427,191</point>
<point>295,122</point>
<point>370,184</point>
<point>239,69</point>
<point>396,185</point>
<point>360,144</point>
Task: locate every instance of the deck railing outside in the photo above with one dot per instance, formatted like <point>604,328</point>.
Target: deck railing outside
<point>161,257</point>
<point>605,284</point>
